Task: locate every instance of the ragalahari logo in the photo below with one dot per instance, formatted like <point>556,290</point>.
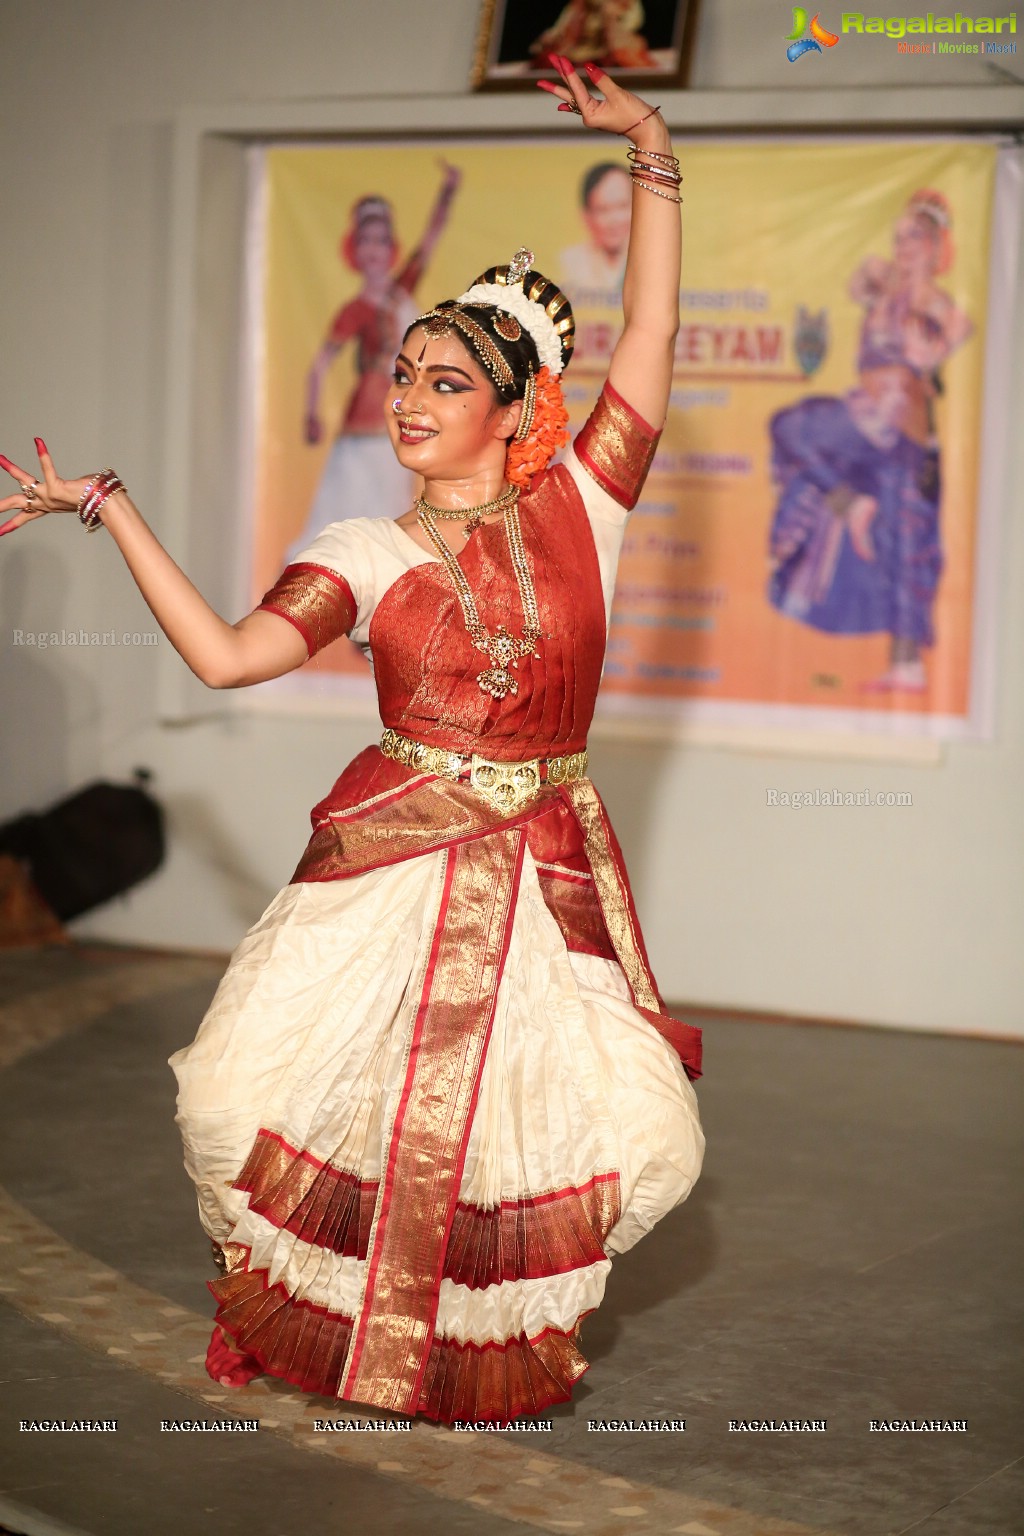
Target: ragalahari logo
<point>944,33</point>
<point>799,43</point>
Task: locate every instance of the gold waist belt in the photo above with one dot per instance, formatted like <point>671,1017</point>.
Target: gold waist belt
<point>505,786</point>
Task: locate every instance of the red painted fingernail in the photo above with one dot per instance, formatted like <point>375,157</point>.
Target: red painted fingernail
<point>563,106</point>
<point>593,71</point>
<point>6,529</point>
<point>41,446</point>
<point>5,462</point>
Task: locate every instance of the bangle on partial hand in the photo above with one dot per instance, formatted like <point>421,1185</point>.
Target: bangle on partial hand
<point>627,131</point>
<point>668,162</point>
<point>95,494</point>
<point>666,166</point>
<point>85,494</point>
<point>656,177</point>
<point>656,174</point>
<point>645,188</point>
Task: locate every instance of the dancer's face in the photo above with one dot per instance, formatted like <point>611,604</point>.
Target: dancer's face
<point>915,248</point>
<point>451,422</point>
<point>372,249</point>
<point>607,213</point>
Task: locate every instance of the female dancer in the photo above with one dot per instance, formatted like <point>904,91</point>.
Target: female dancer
<point>361,471</point>
<point>437,1086</point>
<point>855,539</point>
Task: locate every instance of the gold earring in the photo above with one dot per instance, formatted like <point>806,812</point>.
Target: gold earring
<point>529,406</point>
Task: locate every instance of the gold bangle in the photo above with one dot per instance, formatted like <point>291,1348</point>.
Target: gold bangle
<point>645,188</point>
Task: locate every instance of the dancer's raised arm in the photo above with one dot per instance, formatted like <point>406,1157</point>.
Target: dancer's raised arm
<point>450,181</point>
<point>641,366</point>
<point>222,655</point>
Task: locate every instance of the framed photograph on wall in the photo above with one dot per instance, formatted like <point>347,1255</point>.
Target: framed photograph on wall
<point>638,41</point>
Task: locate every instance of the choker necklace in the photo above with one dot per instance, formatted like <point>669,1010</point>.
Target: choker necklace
<point>502,649</point>
<point>472,516</point>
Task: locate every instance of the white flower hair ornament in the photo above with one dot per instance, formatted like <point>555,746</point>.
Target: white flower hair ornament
<point>510,297</point>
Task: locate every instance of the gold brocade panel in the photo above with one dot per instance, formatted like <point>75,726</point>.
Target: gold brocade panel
<point>428,1139</point>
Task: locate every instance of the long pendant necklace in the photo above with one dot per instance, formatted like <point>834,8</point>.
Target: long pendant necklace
<point>502,649</point>
<point>473,517</point>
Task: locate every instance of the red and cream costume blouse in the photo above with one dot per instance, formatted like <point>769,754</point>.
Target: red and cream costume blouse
<point>367,578</point>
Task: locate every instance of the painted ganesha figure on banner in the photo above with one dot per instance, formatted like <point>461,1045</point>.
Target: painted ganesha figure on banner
<point>855,539</point>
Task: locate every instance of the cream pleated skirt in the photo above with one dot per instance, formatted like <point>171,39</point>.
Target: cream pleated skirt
<point>583,1131</point>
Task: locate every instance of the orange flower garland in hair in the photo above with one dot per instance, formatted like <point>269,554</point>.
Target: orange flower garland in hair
<point>549,432</point>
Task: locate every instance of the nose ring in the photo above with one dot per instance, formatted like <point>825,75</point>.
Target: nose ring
<point>396,406</point>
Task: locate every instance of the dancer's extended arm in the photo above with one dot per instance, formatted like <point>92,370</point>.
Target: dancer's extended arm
<point>641,365</point>
<point>413,269</point>
<point>222,655</point>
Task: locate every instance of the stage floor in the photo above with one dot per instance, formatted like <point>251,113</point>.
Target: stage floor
<point>852,1253</point>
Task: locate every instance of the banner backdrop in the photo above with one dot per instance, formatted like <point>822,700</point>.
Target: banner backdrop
<point>806,549</point>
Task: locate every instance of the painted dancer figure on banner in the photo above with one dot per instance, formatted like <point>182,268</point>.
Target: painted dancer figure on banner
<point>593,270</point>
<point>855,541</point>
<point>605,32</point>
<point>361,470</point>
<point>437,1089</point>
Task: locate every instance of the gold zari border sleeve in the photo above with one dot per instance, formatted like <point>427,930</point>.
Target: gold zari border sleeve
<point>616,446</point>
<point>319,603</point>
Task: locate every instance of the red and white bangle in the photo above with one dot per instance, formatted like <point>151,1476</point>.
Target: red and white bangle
<point>95,494</point>
<point>654,172</point>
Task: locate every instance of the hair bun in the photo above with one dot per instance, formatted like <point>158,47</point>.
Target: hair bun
<point>539,290</point>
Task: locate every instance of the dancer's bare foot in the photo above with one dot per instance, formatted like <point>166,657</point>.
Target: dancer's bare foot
<point>226,1365</point>
<point>902,677</point>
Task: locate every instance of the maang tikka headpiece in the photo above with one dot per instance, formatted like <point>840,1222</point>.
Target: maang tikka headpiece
<point>450,317</point>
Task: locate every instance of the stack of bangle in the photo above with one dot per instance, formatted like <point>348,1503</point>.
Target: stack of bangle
<point>94,495</point>
<point>654,172</point>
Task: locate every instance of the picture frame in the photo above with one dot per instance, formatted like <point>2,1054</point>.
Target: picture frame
<point>638,42</point>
